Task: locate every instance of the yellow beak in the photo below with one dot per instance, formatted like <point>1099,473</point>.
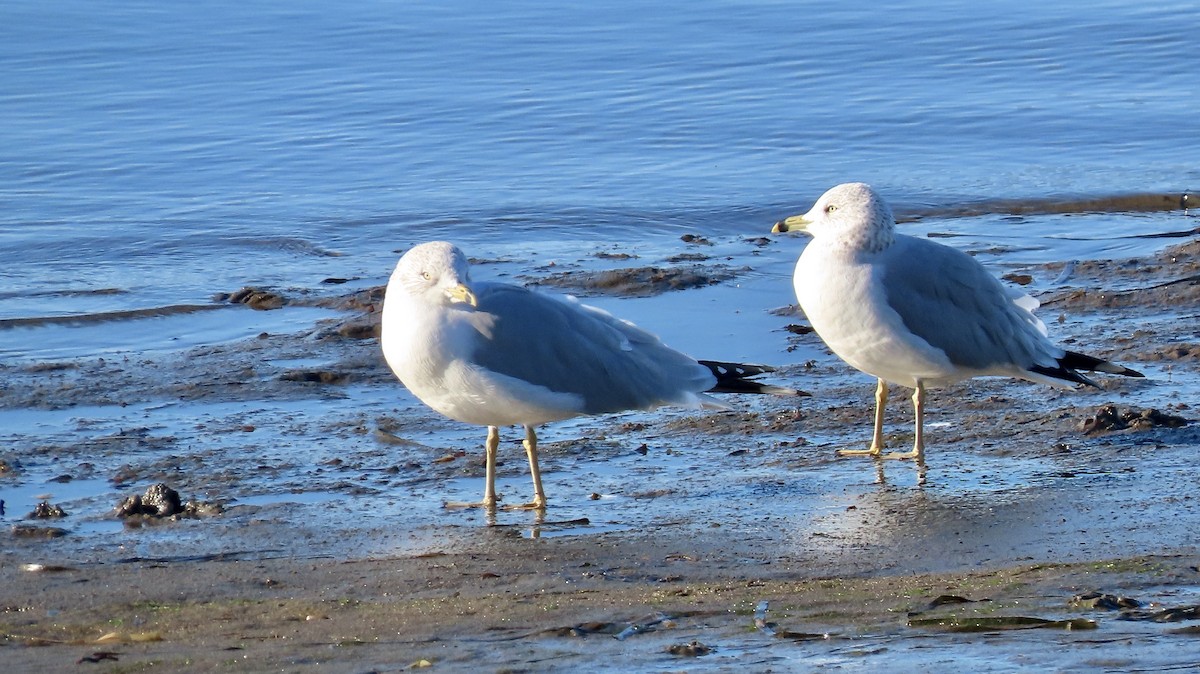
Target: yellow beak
<point>797,222</point>
<point>461,293</point>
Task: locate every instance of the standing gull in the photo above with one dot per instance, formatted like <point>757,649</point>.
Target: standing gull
<point>496,355</point>
<point>914,312</point>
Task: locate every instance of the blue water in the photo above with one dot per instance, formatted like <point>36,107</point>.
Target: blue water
<point>172,150</point>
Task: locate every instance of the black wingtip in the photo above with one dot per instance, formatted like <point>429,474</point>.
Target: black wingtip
<point>722,370</point>
<point>735,378</point>
<point>1063,373</point>
<point>1081,361</point>
<point>1073,361</point>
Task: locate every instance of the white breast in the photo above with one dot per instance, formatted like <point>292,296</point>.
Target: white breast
<point>844,300</point>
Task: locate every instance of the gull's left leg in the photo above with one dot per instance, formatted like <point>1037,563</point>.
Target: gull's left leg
<point>918,450</point>
<point>539,495</point>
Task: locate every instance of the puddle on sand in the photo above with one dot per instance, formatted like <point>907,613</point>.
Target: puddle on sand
<point>75,497</point>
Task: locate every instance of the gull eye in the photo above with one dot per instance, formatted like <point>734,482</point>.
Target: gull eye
<point>427,276</point>
<point>830,208</point>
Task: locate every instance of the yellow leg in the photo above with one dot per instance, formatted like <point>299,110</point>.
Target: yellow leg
<point>489,489</point>
<point>918,450</point>
<point>881,396</point>
<point>876,448</point>
<point>539,496</point>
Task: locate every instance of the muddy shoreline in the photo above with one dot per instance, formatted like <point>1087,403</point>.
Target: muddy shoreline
<point>572,605</point>
<point>330,550</point>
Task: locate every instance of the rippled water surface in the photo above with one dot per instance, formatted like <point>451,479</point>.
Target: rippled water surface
<point>168,152</point>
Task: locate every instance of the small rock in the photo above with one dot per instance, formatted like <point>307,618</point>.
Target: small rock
<point>1109,418</point>
<point>1105,419</point>
<point>202,509</point>
<point>45,510</point>
<point>158,501</point>
<point>694,649</point>
<point>161,500</point>
<point>1104,601</point>
<point>257,298</point>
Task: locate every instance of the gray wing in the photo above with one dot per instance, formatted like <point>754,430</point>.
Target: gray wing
<point>951,301</point>
<point>569,347</point>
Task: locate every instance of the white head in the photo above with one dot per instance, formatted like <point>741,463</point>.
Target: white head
<point>850,215</point>
<point>436,272</point>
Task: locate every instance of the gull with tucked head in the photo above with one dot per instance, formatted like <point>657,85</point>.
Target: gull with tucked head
<point>914,312</point>
<point>494,354</point>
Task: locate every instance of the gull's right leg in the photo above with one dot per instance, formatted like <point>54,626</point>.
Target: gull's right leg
<point>489,489</point>
<point>539,494</point>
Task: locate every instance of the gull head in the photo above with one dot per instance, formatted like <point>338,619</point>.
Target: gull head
<point>851,215</point>
<point>436,272</point>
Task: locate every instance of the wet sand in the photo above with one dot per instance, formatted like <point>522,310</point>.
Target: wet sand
<point>322,544</point>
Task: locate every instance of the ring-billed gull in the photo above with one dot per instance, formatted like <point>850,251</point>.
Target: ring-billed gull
<point>914,312</point>
<point>496,355</point>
